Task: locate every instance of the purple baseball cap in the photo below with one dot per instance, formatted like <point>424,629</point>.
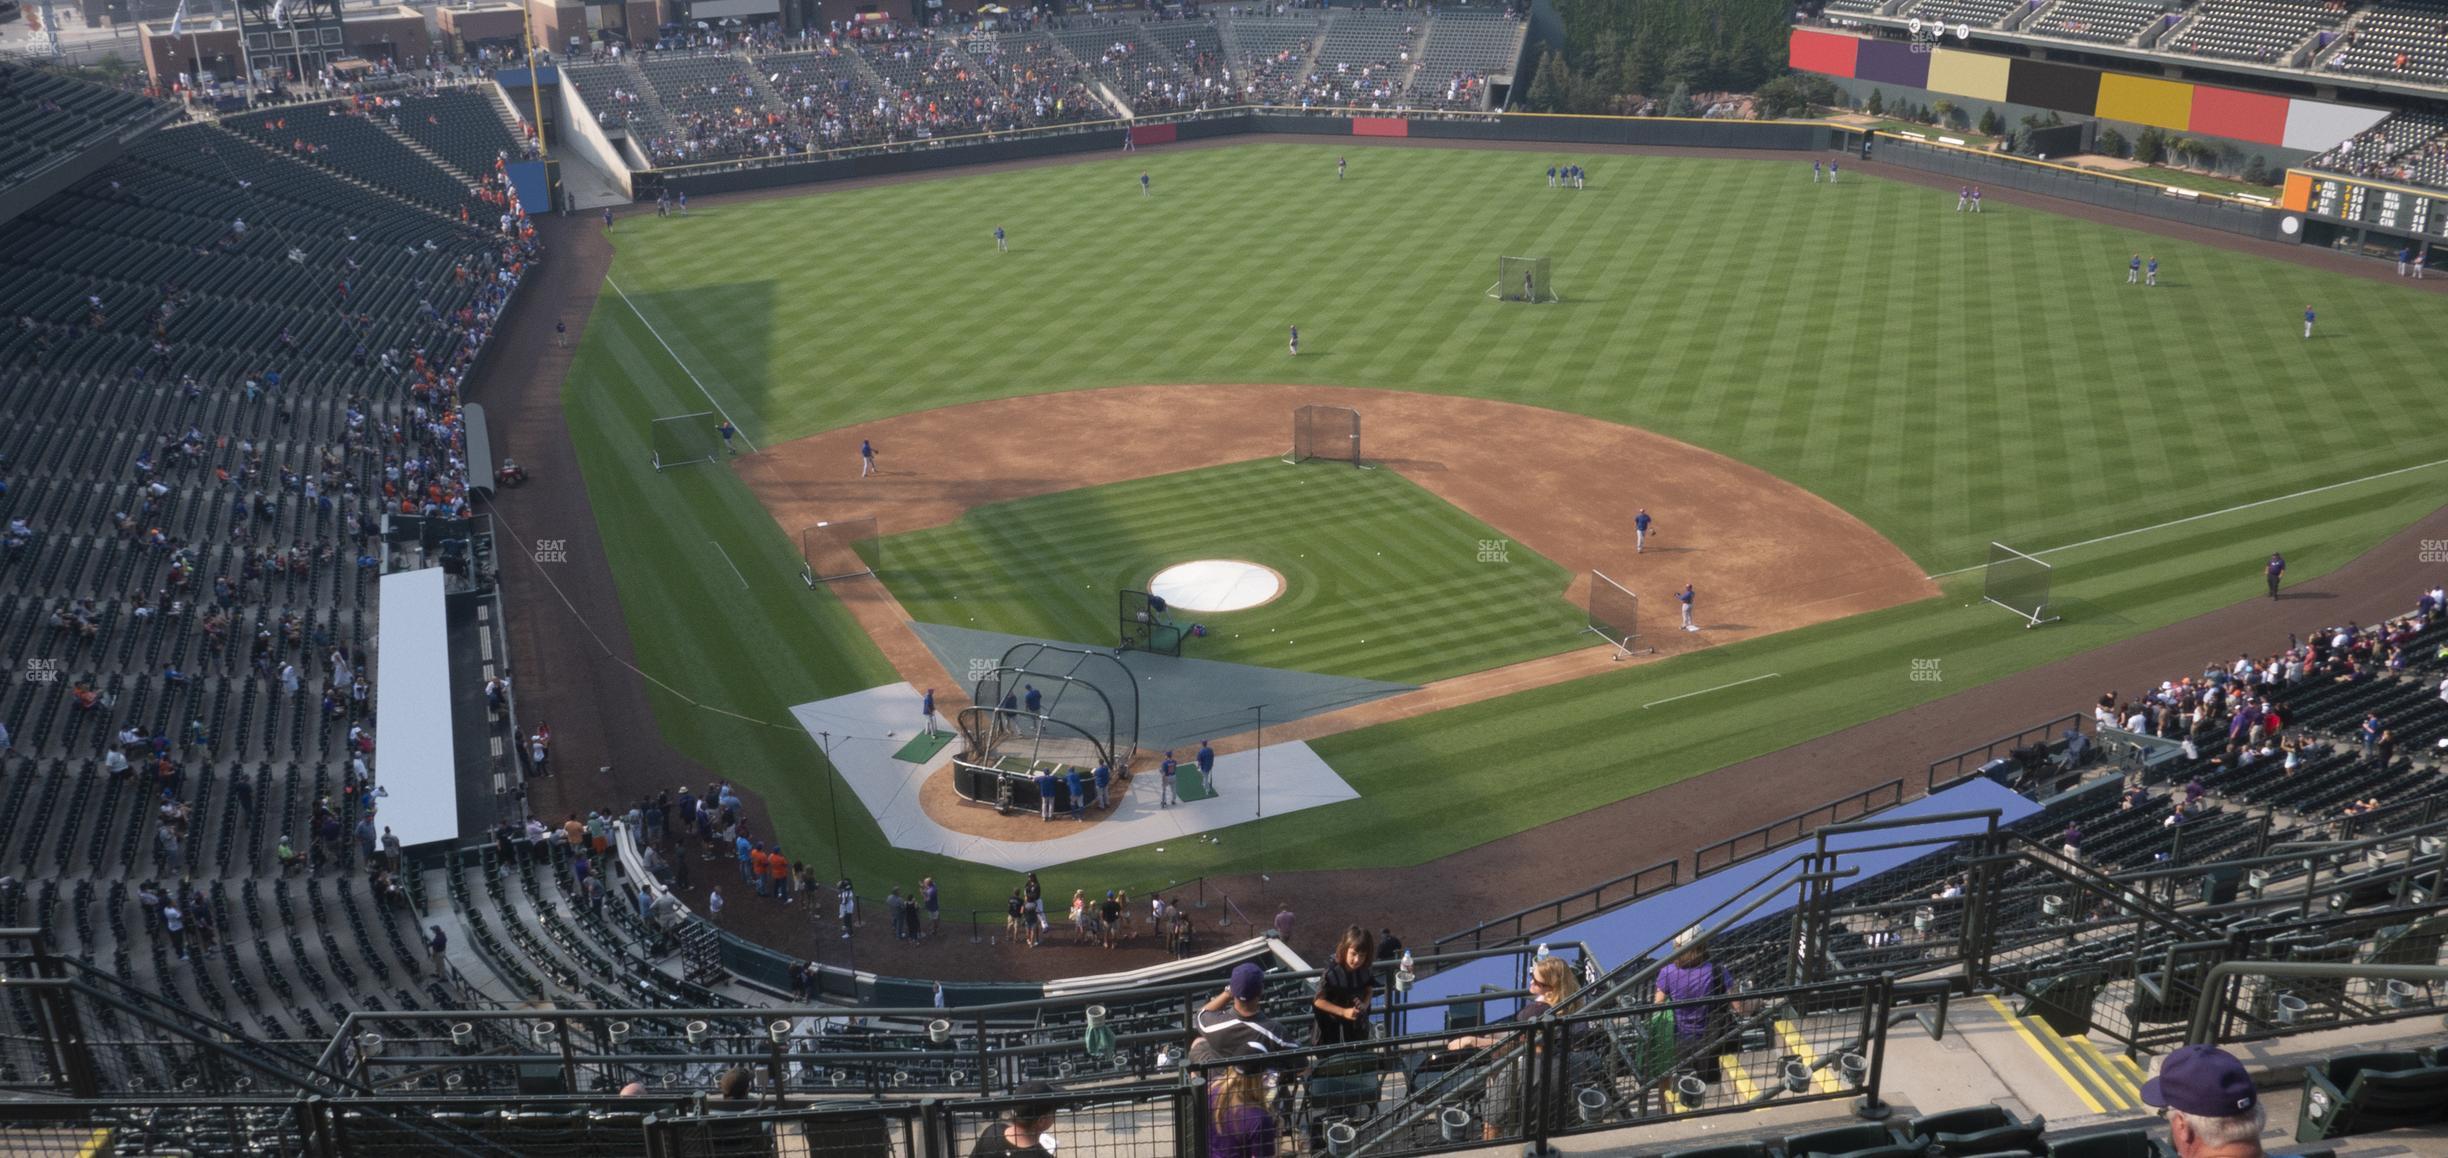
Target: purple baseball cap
<point>1248,981</point>
<point>2202,1080</point>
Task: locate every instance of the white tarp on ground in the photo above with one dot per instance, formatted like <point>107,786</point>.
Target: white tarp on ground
<point>868,727</point>
<point>415,762</point>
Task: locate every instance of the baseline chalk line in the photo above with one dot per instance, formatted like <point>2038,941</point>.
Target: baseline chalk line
<point>1705,691</point>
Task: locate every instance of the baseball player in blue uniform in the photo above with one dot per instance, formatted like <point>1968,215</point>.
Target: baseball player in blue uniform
<point>727,431</point>
<point>1339,163</point>
<point>1104,784</point>
<point>2403,256</point>
<point>1296,341</point>
<point>2307,321</point>
<point>866,458</point>
<point>1814,172</point>
<point>1045,794</point>
<point>2150,272</point>
<point>1963,198</point>
<point>1684,597</point>
<point>1976,199</point>
<point>1164,780</point>
<point>1001,246</point>
<point>1640,531</point>
<point>1831,172</point>
<point>1078,784</point>
<point>1551,180</point>
<point>2133,270</point>
<point>1206,765</point>
<point>926,707</point>
<point>1144,189</point>
<point>684,203</point>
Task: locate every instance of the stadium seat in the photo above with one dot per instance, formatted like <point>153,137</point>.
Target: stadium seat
<point>1859,1141</point>
<point>1978,1130</point>
<point>2133,1143</point>
<point>2361,1093</point>
<point>1727,1150</point>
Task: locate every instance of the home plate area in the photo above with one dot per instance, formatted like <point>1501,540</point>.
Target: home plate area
<point>867,730</point>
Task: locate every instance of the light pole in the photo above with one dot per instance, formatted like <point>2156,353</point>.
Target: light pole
<point>832,812</point>
<point>1258,756</point>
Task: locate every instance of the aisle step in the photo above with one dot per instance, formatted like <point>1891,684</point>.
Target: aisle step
<point>2103,1084</point>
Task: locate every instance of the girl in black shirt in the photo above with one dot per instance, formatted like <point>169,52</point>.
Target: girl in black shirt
<point>1345,989</point>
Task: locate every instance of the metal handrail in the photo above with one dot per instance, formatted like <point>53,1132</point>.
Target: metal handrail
<point>2214,983</point>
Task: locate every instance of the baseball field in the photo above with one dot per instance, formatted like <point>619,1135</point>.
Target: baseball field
<point>1936,380</point>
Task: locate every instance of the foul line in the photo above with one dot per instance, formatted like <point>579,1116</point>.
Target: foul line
<point>2212,514</point>
<point>1705,691</point>
<point>735,571</point>
<point>675,357</point>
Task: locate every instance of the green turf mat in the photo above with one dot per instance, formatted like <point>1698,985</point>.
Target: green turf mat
<point>923,749</point>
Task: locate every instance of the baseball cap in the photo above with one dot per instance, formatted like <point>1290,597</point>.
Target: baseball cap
<point>2203,1080</point>
<point>1248,981</point>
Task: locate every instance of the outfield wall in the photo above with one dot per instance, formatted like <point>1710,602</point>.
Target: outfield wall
<point>1980,167</point>
<point>1972,165</point>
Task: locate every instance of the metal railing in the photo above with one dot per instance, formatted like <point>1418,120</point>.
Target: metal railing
<point>1606,896</point>
<point>1776,834</point>
<point>1953,766</point>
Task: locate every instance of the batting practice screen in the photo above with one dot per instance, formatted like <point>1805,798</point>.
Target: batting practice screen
<point>840,549</point>
<point>2018,583</point>
<point>1147,624</point>
<point>1327,432</point>
<point>684,438</point>
<point>1522,279</point>
<point>1614,611</point>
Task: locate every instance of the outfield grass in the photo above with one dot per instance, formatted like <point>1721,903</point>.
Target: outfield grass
<point>1949,379</point>
<point>1382,579</point>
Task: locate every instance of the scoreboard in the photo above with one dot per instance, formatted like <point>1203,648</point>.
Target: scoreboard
<point>2395,208</point>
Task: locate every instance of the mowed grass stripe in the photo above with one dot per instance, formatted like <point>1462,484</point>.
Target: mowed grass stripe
<point>1385,580</point>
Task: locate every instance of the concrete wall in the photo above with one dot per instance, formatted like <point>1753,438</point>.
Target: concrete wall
<point>582,136</point>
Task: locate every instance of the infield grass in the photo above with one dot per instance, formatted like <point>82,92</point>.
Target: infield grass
<point>1947,378</point>
<point>1382,580</point>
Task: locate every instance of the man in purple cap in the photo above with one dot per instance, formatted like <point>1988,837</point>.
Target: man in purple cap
<point>2211,1108</point>
<point>1230,1026</point>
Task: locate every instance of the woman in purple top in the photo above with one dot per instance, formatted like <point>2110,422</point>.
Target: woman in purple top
<point>1691,976</point>
<point>1238,1124</point>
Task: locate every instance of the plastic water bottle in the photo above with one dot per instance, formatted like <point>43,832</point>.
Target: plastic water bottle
<point>1542,951</point>
<point>1404,975</point>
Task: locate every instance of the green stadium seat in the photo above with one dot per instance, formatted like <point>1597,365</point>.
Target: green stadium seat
<point>2360,1093</point>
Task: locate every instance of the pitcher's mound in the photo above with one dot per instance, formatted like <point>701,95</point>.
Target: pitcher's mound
<point>1212,585</point>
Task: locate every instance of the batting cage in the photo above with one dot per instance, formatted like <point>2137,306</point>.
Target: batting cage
<point>1086,713</point>
<point>1327,432</point>
<point>684,438</point>
<point>1614,614</point>
<point>1522,279</point>
<point>2018,583</point>
<point>840,549</point>
<point>1147,624</point>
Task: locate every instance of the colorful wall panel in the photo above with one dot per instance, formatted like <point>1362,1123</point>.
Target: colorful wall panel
<point>2315,125</point>
<point>2242,116</point>
<point>1825,53</point>
<point>1977,75</point>
<point>2053,86</point>
<point>2145,101</point>
<point>2084,92</point>
<point>1892,62</point>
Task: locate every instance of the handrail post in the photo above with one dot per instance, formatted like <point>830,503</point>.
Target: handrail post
<point>1874,1039</point>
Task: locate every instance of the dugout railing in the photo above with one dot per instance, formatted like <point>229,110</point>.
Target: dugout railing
<point>1949,771</point>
